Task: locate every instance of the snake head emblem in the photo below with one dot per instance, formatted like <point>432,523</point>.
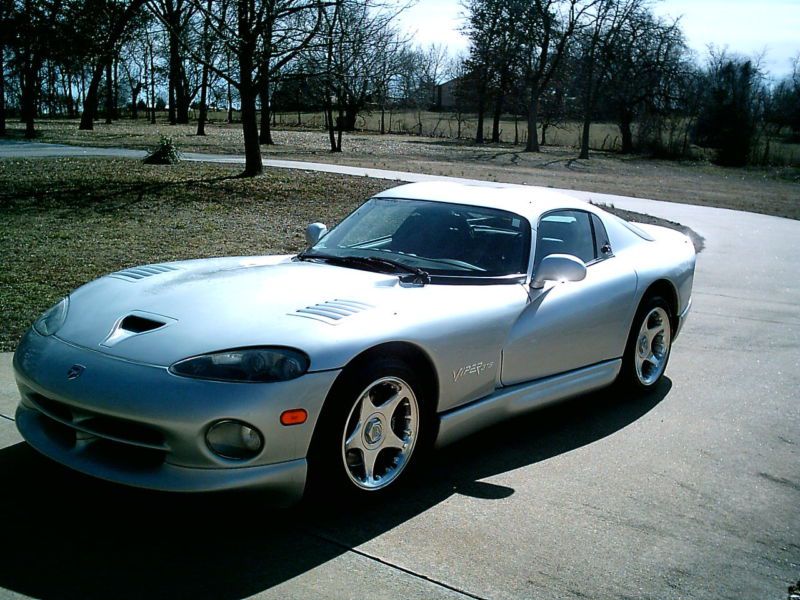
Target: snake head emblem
<point>75,371</point>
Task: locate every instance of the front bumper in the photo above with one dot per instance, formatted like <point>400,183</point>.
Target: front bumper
<point>283,482</point>
<point>140,425</point>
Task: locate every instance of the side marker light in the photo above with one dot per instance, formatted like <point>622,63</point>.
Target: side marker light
<point>295,416</point>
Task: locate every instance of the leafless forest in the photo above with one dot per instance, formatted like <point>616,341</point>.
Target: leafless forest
<point>533,66</point>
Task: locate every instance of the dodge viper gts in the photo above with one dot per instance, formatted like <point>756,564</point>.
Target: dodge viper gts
<point>431,311</point>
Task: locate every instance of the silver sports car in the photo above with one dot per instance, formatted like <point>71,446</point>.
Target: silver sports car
<point>433,310</point>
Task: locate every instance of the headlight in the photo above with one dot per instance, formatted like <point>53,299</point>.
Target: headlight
<point>245,364</point>
<point>52,320</point>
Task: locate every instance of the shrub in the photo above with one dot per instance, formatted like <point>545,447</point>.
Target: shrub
<point>166,153</point>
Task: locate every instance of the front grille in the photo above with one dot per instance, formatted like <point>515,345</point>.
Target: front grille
<point>72,426</point>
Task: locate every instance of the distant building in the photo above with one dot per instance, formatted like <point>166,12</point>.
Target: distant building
<point>446,93</point>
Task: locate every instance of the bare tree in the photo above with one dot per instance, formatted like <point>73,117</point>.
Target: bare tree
<point>645,69</point>
<point>548,26</point>
<point>5,29</point>
<point>485,22</point>
<point>34,24</point>
<point>133,57</point>
<point>355,60</point>
<point>245,31</point>
<point>117,19</point>
<point>606,20</point>
<point>208,56</point>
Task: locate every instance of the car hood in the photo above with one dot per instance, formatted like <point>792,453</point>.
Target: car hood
<point>159,314</point>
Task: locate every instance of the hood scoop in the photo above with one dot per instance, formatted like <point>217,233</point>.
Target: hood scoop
<point>137,273</point>
<point>332,311</point>
<point>136,323</point>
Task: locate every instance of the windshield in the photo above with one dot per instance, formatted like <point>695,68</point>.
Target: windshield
<point>439,238</point>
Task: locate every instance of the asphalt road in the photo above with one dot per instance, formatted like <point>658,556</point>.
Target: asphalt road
<point>691,492</point>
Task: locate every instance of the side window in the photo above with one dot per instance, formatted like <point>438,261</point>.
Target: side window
<point>565,232</point>
<point>602,244</point>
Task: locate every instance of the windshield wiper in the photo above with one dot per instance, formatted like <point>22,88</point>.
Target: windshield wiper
<point>414,274</point>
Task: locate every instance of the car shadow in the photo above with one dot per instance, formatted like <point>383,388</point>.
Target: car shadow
<point>65,535</point>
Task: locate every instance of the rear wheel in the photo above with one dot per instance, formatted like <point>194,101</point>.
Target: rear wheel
<point>371,430</point>
<point>649,344</point>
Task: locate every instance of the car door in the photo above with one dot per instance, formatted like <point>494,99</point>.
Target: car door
<point>569,325</point>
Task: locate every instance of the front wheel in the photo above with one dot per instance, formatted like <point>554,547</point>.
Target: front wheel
<point>649,344</point>
<point>370,431</point>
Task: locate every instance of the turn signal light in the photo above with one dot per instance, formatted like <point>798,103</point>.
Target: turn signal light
<point>295,416</point>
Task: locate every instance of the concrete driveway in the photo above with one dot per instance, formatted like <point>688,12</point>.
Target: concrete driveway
<point>691,492</point>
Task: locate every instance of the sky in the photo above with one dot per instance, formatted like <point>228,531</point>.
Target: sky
<point>747,27</point>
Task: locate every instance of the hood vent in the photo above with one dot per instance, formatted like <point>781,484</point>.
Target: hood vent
<point>135,323</point>
<point>332,311</point>
<point>136,273</point>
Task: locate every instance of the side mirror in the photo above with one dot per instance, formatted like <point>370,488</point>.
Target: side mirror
<point>559,267</point>
<point>314,233</point>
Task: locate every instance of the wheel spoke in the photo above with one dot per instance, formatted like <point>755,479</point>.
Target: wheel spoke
<point>367,408</point>
<point>653,332</point>
<point>653,360</point>
<point>392,440</point>
<point>370,456</point>
<point>354,440</point>
<point>387,408</point>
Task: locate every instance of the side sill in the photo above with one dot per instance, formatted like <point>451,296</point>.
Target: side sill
<point>514,400</point>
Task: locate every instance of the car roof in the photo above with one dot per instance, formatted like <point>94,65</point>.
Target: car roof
<point>527,201</point>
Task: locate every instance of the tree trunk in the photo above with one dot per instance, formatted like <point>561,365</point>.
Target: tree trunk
<point>109,93</point>
<point>383,119</point>
<point>248,94</point>
<point>533,114</point>
<point>2,92</point>
<point>252,149</point>
<point>135,91</point>
<point>498,111</point>
<point>28,96</point>
<point>339,127</point>
<point>329,122</point>
<point>176,91</point>
<point>90,103</point>
<point>52,93</point>
<point>481,109</point>
<point>152,88</point>
<point>350,115</point>
<point>182,97</point>
<point>173,119</point>
<point>544,134</point>
<point>115,106</point>
<point>230,99</point>
<point>626,132</point>
<point>265,137</point>
<point>66,82</point>
<point>201,119</point>
<point>587,124</point>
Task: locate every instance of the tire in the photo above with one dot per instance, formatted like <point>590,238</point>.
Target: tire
<point>648,347</point>
<point>372,430</point>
